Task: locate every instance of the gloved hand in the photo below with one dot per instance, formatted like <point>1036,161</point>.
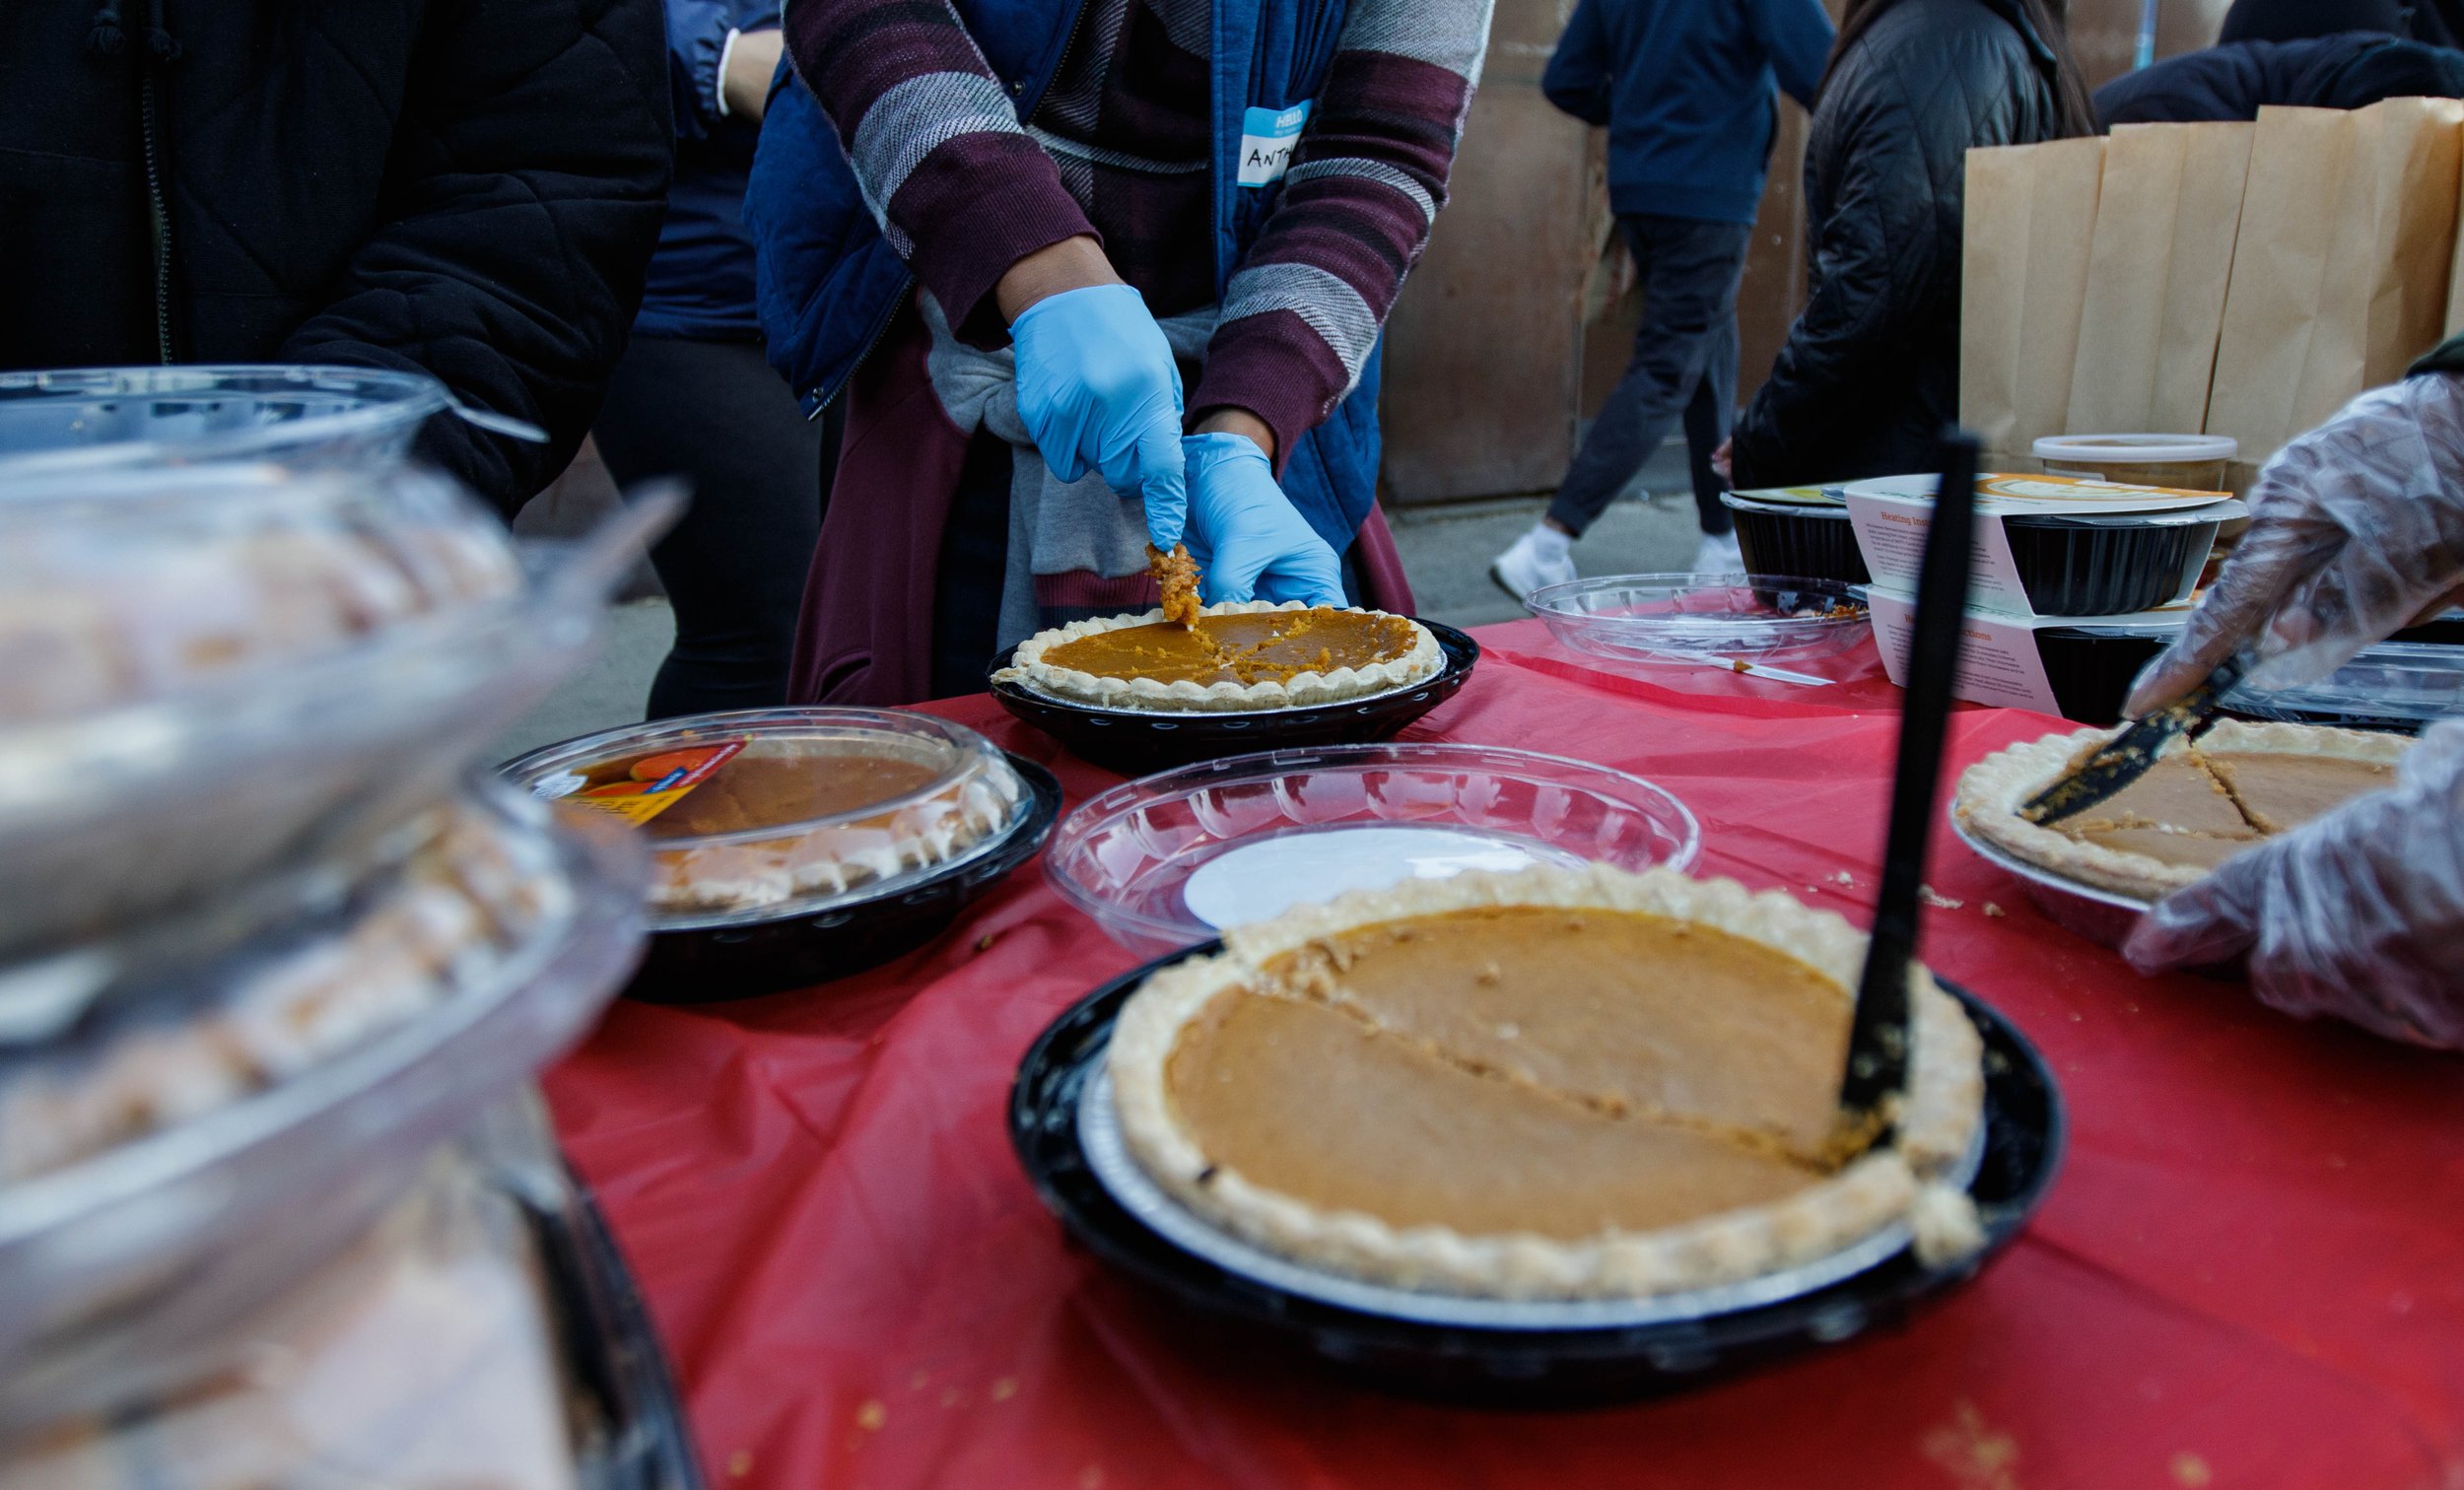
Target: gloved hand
<point>1249,540</point>
<point>2355,529</point>
<point>1097,388</point>
<point>2359,913</point>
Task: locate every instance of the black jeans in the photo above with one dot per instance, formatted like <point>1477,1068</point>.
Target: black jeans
<point>1684,365</point>
<point>716,414</point>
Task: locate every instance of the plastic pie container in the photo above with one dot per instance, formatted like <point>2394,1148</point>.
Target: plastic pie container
<point>2400,686</point>
<point>794,811</point>
<point>1699,619</point>
<point>1169,860</point>
<point>301,416</point>
<point>2089,668</point>
<point>1800,536</point>
<point>152,1247</point>
<point>2180,462</point>
<point>2105,566</point>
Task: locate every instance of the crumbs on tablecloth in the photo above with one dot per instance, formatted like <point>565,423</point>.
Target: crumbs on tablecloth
<point>1935,899</point>
<point>1993,910</point>
<point>1843,877</point>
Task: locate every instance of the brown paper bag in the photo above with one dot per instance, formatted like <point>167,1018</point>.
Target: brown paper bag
<point>2168,206</point>
<point>2030,211</point>
<point>2341,268</point>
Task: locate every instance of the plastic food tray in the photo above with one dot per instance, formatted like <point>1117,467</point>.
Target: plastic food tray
<point>1170,860</point>
<point>2090,667</point>
<point>1798,537</point>
<point>81,418</point>
<point>150,1248</point>
<point>109,816</point>
<point>1699,619</point>
<point>1504,1365</point>
<point>2403,686</point>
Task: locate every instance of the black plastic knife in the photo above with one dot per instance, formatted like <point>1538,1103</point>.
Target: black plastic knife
<point>2127,756</point>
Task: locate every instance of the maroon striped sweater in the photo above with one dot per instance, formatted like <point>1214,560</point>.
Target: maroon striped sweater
<point>1119,148</point>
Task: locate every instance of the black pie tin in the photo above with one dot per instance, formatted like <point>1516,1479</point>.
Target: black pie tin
<point>1781,538</point>
<point>2089,668</point>
<point>2024,1132</point>
<point>2103,566</point>
<point>638,1435</point>
<point>1136,744</point>
<point>799,949</point>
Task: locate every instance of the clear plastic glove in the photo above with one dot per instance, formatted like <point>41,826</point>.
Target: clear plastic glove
<point>2359,913</point>
<point>1098,391</point>
<point>2355,529</point>
<point>1250,542</point>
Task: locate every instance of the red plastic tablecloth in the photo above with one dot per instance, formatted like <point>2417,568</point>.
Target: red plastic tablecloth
<point>2250,1271</point>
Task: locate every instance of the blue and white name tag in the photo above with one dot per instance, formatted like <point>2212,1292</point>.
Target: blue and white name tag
<point>1267,136</point>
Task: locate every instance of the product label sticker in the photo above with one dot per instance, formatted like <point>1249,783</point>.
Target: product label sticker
<point>640,788</point>
<point>1267,136</point>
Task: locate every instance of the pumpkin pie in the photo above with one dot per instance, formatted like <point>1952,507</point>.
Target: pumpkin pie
<point>1236,656</point>
<point>1564,1083</point>
<point>2200,804</point>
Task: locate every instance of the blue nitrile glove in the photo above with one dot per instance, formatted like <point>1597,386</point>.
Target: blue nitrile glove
<point>1097,388</point>
<point>1249,540</point>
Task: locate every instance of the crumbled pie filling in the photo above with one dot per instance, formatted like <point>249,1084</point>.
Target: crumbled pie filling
<point>2201,808</point>
<point>1257,646</point>
<point>1520,1068</point>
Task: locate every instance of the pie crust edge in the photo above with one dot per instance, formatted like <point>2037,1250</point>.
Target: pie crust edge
<point>1909,1180</point>
<point>1990,791</point>
<point>1426,660</point>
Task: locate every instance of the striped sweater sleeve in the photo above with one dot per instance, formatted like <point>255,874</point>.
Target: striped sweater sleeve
<point>959,188</point>
<point>1303,309</point>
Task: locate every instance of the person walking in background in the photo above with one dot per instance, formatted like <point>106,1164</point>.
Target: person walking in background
<point>1689,92</point>
<point>1870,373</point>
<point>468,191</point>
<point>1096,206</point>
<point>695,396</point>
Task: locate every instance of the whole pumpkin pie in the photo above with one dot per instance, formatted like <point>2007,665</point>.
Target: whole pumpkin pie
<point>1554,1084</point>
<point>1236,656</point>
<point>2200,804</point>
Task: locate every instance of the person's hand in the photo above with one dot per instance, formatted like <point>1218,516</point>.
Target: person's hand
<point>1249,540</point>
<point>2359,914</point>
<point>2355,529</point>
<point>1722,461</point>
<point>751,63</point>
<point>1097,389</point>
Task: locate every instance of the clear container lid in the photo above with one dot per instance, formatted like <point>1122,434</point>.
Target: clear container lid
<point>125,584</point>
<point>1786,499</point>
<point>767,813</point>
<point>1697,619</point>
<point>1169,860</point>
<point>292,415</point>
<point>2418,681</point>
<point>2136,449</point>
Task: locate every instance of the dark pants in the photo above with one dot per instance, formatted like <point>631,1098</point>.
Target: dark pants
<point>1685,365</point>
<point>716,414</point>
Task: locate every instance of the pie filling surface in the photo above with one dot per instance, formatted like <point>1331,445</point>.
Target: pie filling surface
<point>1520,1070</point>
<point>2200,808</point>
<point>1257,646</point>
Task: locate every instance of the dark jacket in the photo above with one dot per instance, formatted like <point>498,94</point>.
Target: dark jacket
<point>701,283</point>
<point>1685,88</point>
<point>1870,373</point>
<point>2235,80</point>
<point>468,189</point>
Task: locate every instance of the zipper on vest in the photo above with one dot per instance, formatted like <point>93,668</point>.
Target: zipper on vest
<point>159,206</point>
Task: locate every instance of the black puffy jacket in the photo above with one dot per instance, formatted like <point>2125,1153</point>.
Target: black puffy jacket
<point>2235,80</point>
<point>1871,370</point>
<point>469,189</point>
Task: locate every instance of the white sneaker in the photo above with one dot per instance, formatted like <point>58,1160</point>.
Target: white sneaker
<point>1531,564</point>
<point>1718,554</point>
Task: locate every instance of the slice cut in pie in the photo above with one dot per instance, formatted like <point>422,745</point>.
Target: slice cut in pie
<point>1554,1084</point>
<point>2200,804</point>
<point>1238,656</point>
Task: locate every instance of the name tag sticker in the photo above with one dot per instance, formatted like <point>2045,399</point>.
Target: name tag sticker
<point>1267,136</point>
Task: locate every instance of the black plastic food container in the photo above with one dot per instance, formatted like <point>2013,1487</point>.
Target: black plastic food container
<point>2105,566</point>
<point>2089,668</point>
<point>1812,539</point>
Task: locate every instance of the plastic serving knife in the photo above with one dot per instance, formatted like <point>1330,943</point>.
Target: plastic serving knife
<point>2129,755</point>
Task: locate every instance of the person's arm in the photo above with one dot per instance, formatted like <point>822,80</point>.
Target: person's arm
<point>1878,270</point>
<point>1797,35</point>
<point>1303,311</point>
<point>1581,75</point>
<point>960,191</point>
<point>529,176</point>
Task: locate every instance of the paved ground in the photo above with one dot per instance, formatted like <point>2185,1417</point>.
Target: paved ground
<point>1446,551</point>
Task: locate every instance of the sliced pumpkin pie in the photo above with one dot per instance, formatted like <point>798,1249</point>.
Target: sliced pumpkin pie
<point>1554,1084</point>
<point>2201,803</point>
<point>1232,657</point>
